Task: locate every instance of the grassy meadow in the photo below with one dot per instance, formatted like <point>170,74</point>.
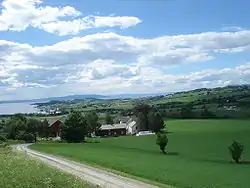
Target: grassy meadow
<point>18,171</point>
<point>198,155</point>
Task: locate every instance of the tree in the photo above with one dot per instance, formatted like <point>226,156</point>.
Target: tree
<point>16,124</point>
<point>27,137</point>
<point>109,119</point>
<point>2,138</point>
<point>75,127</point>
<point>236,149</point>
<point>186,112</point>
<point>32,126</point>
<point>92,122</point>
<point>2,126</point>
<point>142,121</point>
<point>205,113</point>
<point>156,122</point>
<point>162,140</point>
<point>44,131</point>
<point>141,110</point>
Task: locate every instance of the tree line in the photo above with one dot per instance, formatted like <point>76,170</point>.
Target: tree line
<point>75,127</point>
<point>19,127</point>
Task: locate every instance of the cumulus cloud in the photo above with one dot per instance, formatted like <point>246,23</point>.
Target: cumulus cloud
<point>145,80</point>
<point>75,26</point>
<point>108,62</point>
<point>19,15</point>
<point>164,51</point>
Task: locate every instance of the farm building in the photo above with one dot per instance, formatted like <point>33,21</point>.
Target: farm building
<point>127,126</point>
<point>112,130</point>
<point>55,127</point>
<point>130,127</point>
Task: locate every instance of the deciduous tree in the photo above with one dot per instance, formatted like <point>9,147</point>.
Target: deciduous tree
<point>75,127</point>
<point>109,119</point>
<point>162,140</point>
<point>236,149</point>
<point>156,122</point>
<point>92,122</point>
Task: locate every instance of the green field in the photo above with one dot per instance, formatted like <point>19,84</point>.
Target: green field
<point>198,155</point>
<point>18,171</point>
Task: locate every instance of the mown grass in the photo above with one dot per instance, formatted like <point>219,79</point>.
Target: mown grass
<point>19,171</point>
<point>198,155</point>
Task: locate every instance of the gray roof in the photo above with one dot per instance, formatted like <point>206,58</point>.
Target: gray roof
<point>114,126</point>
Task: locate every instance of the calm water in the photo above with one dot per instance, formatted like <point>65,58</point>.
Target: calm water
<point>13,108</point>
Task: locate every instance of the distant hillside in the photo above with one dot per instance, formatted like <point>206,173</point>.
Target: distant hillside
<point>82,97</point>
<point>64,98</point>
<point>135,96</point>
<point>221,102</point>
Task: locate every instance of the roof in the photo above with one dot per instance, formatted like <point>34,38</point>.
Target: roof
<point>131,124</point>
<point>114,126</point>
<point>52,121</point>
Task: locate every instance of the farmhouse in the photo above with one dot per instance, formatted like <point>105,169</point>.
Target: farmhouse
<point>128,128</point>
<point>132,127</point>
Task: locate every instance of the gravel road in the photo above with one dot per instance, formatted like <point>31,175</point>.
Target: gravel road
<point>90,174</point>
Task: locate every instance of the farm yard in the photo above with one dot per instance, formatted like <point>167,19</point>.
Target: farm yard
<point>198,154</point>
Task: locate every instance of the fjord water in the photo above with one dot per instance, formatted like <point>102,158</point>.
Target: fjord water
<point>13,108</point>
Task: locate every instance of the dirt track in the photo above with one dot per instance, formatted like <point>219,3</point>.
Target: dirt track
<point>93,175</point>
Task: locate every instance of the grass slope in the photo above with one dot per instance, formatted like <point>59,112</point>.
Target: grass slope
<point>18,171</point>
<point>198,154</point>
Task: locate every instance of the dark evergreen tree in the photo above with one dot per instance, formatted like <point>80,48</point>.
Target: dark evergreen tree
<point>141,110</point>
<point>156,122</point>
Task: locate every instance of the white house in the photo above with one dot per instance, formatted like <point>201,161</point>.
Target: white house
<point>131,127</point>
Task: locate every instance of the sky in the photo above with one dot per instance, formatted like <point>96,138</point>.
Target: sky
<point>54,48</point>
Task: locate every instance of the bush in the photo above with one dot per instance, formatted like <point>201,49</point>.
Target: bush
<point>13,142</point>
<point>162,141</point>
<point>3,145</point>
<point>236,149</point>
<point>27,137</point>
<point>2,138</point>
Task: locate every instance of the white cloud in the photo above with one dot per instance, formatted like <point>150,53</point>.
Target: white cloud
<point>75,26</point>
<point>113,21</point>
<point>112,63</point>
<point>146,80</point>
<point>232,28</point>
<point>18,15</point>
<point>164,51</point>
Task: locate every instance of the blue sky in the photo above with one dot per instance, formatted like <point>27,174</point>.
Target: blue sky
<point>55,48</point>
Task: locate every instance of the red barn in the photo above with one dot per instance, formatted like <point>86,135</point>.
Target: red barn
<point>55,128</point>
